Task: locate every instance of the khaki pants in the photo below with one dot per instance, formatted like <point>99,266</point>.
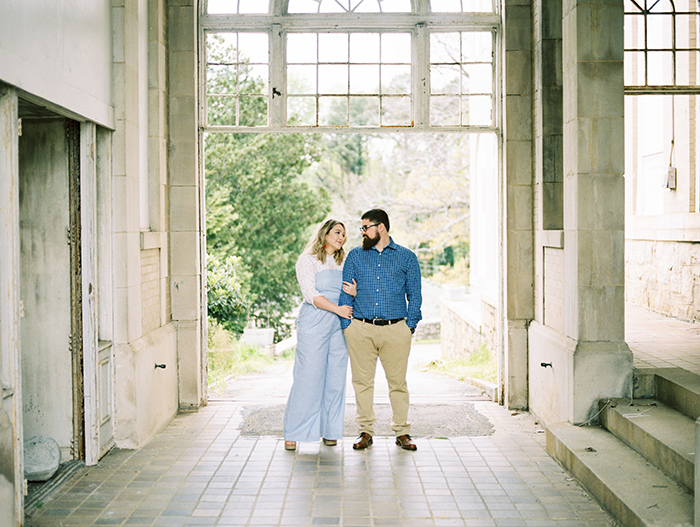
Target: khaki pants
<point>392,345</point>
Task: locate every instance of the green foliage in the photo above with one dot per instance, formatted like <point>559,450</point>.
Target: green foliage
<point>457,274</point>
<point>270,210</point>
<point>478,365</point>
<point>257,206</point>
<point>230,358</point>
<point>226,301</point>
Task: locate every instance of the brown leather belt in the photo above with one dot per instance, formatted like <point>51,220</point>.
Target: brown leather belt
<point>380,321</point>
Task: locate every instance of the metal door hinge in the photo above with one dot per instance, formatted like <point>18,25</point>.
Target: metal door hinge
<point>19,127</point>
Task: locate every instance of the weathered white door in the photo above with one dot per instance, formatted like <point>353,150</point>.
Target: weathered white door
<point>98,365</point>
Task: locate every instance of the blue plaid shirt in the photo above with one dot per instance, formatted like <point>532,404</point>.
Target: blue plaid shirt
<point>388,284</point>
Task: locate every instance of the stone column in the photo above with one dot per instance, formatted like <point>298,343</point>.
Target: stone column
<point>187,237</point>
<point>596,361</point>
<point>517,166</point>
<point>11,432</point>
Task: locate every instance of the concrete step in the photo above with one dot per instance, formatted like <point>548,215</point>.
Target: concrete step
<point>634,491</point>
<point>677,388</point>
<point>665,437</point>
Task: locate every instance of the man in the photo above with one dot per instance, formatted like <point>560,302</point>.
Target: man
<point>386,311</point>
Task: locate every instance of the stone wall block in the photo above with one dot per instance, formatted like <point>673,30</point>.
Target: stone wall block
<point>606,32</point>
<point>185,254</point>
<point>517,357</point>
<point>569,49</point>
<point>600,93</point>
<point>157,126</point>
<point>604,250</point>
<point>552,62</point>
<point>518,79</point>
<point>185,291</point>
<point>121,319</point>
<point>181,25</point>
<point>585,147</point>
<point>551,25</point>
<point>125,397</point>
<point>127,313</point>
<point>518,162</point>
<point>119,149</point>
<point>598,324</point>
<point>520,275</point>
<point>183,74</point>
<point>617,146</point>
<point>519,211</point>
<point>126,211</point>
<point>132,147</point>
<point>118,47</point>
<point>537,160</point>
<point>600,202</point>
<point>571,289</point>
<point>184,200</point>
<point>190,388</point>
<point>553,158</point>
<point>183,119</point>
<point>518,120</point>
<point>183,163</point>
<point>517,28</point>
<point>673,264</point>
<point>602,153</point>
<point>120,204</point>
<point>552,110</point>
<point>570,102</point>
<point>552,201</point>
<point>127,268</point>
<point>119,90</point>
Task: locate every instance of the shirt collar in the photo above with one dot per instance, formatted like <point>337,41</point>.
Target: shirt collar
<point>391,245</point>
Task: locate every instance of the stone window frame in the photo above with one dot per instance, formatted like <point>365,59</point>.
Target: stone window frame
<point>420,23</point>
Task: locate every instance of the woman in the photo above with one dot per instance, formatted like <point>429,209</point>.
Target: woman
<point>316,404</point>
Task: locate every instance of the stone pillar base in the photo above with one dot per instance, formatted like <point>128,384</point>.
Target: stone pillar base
<point>568,377</point>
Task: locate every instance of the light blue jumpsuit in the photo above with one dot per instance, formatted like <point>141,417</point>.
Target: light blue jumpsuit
<point>316,404</point>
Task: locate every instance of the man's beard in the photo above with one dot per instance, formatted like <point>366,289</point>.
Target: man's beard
<point>368,243</point>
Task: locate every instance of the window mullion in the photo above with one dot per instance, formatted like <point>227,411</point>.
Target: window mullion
<point>277,93</point>
<point>420,80</point>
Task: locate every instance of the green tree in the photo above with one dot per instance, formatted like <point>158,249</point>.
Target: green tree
<point>258,209</point>
<point>226,301</point>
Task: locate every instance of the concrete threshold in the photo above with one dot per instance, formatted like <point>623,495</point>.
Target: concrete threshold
<point>662,435</point>
<point>635,492</point>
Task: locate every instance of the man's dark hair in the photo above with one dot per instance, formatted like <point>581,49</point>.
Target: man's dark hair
<point>377,216</point>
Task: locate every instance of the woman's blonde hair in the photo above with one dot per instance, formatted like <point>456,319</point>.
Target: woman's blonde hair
<point>317,243</point>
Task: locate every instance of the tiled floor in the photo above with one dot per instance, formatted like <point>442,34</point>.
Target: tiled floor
<point>662,342</point>
<point>200,470</point>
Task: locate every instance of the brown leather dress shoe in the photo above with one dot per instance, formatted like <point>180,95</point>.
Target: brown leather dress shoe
<point>406,442</point>
<point>363,441</point>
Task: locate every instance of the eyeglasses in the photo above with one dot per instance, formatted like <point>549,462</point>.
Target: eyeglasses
<point>364,228</point>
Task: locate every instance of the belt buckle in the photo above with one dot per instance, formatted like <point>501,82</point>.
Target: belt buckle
<point>377,321</point>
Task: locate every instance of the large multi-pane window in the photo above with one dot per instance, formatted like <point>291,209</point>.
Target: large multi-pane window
<point>661,48</point>
<point>661,115</point>
<point>461,79</point>
<point>349,64</point>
